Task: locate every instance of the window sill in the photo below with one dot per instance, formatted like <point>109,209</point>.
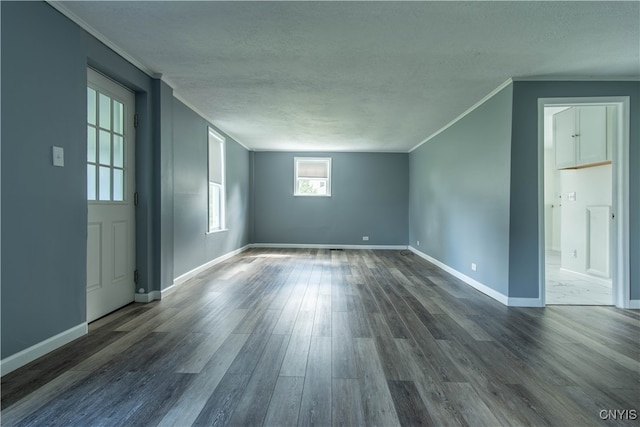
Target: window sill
<point>216,231</point>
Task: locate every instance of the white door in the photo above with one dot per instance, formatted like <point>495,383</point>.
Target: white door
<point>110,194</point>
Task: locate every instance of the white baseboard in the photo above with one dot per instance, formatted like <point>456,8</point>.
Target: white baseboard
<point>525,302</point>
<point>468,280</point>
<point>30,354</point>
<point>167,291</point>
<point>323,246</point>
<point>190,274</point>
<point>145,298</point>
<point>634,304</point>
<point>158,295</point>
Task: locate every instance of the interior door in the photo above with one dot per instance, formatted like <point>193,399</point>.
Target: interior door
<point>110,193</point>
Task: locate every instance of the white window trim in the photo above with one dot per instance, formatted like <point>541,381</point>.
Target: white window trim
<point>223,202</point>
<point>295,176</point>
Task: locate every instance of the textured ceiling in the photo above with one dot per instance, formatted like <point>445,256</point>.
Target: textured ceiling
<point>360,76</point>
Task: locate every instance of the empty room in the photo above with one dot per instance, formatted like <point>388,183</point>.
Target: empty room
<point>320,213</point>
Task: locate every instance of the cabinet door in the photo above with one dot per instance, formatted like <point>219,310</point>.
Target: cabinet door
<point>564,138</point>
<point>592,135</point>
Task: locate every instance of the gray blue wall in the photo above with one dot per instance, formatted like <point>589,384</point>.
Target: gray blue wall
<point>44,208</point>
<point>43,246</point>
<point>459,194</point>
<point>162,178</point>
<point>523,234</point>
<point>474,187</point>
<point>369,198</point>
<point>192,247</point>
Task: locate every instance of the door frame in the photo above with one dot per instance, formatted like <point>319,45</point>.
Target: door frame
<point>620,285</point>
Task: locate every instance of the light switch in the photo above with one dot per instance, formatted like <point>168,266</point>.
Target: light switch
<point>58,156</point>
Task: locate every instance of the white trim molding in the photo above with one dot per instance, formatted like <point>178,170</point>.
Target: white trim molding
<point>148,297</point>
<point>158,295</point>
<point>468,280</point>
<point>190,274</point>
<point>167,291</point>
<point>30,354</point>
<point>60,7</point>
<point>466,113</point>
<point>324,246</point>
<point>577,78</point>
<point>525,302</point>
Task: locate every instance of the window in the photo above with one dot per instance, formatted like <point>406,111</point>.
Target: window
<point>312,176</point>
<point>105,148</point>
<point>216,180</point>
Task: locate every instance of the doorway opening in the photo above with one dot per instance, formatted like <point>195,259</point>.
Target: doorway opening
<point>583,202</point>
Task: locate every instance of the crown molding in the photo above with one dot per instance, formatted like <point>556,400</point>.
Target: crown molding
<point>129,58</point>
<point>577,79</point>
<point>101,37</point>
<point>466,113</point>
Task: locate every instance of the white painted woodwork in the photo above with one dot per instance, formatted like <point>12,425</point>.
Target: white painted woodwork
<point>582,136</point>
<point>94,255</point>
<point>591,127</point>
<point>564,138</point>
<point>592,187</point>
<point>598,240</point>
<point>111,224</point>
<point>552,195</point>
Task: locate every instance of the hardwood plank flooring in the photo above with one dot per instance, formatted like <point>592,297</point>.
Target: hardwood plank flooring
<point>284,337</point>
<point>284,406</point>
<point>315,408</point>
<point>346,407</point>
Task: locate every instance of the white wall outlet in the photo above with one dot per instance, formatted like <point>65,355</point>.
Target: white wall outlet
<point>571,196</point>
<point>474,267</point>
<point>418,242</point>
<point>365,237</point>
<point>58,156</point>
<point>574,253</point>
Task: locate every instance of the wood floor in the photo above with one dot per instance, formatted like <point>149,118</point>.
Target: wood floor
<point>319,337</point>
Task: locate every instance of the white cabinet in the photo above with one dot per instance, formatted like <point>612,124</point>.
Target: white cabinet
<point>564,129</point>
<point>582,136</point>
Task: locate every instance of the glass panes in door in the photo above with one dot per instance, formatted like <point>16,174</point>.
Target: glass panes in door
<point>105,148</point>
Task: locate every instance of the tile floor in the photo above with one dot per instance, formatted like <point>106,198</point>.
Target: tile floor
<point>567,288</point>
